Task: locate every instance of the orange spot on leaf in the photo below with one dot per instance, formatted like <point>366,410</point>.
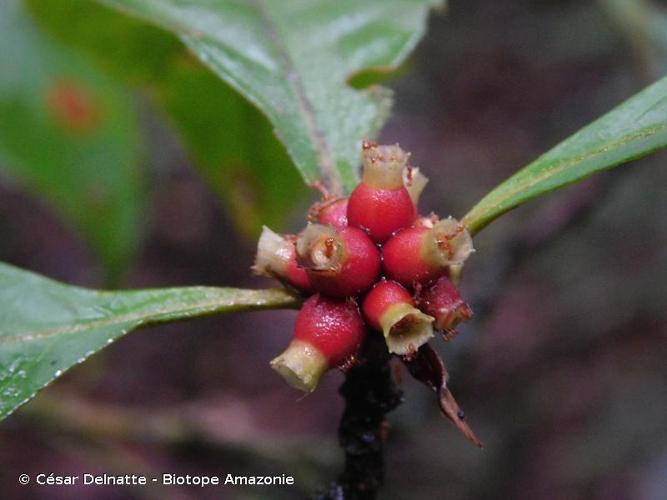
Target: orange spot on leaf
<point>73,106</point>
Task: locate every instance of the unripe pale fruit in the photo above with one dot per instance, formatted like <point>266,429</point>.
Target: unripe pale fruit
<point>443,301</point>
<point>389,307</point>
<point>380,204</point>
<point>415,182</point>
<point>276,258</point>
<point>327,334</point>
<point>339,263</point>
<point>421,254</point>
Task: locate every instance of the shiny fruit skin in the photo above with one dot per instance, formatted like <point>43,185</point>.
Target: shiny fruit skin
<point>380,212</point>
<point>383,295</point>
<point>403,261</point>
<point>333,327</point>
<point>359,270</point>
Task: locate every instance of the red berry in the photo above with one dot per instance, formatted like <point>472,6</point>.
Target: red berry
<point>402,257</point>
<point>296,275</point>
<point>381,204</point>
<point>339,263</point>
<point>330,212</point>
<point>327,334</point>
<point>334,327</point>
<point>380,212</point>
<point>389,307</point>
<point>383,295</point>
<point>276,258</point>
<point>442,301</point>
<point>420,254</point>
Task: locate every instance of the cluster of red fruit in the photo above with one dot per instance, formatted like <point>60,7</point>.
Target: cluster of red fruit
<point>367,260</point>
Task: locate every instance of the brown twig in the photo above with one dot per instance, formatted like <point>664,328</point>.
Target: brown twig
<point>370,393</point>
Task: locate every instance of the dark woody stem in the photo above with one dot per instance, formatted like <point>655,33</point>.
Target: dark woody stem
<point>370,393</point>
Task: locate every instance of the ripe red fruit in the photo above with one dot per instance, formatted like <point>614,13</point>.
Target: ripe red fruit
<point>390,308</point>
<point>339,263</point>
<point>340,255</point>
<point>380,204</point>
<point>443,301</point>
<point>327,334</point>
<point>420,254</point>
<point>276,258</point>
<point>330,212</point>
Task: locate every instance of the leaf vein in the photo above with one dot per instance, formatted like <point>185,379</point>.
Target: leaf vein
<point>137,319</point>
<point>330,176</point>
<point>558,168</point>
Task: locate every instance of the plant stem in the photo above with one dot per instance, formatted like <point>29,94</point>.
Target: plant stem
<point>370,393</point>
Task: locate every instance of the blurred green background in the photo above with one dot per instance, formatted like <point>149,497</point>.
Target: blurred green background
<point>561,371</point>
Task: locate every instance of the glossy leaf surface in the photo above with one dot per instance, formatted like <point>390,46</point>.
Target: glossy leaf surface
<point>227,139</point>
<point>47,327</point>
<point>634,129</point>
<point>69,134</point>
<point>292,60</point>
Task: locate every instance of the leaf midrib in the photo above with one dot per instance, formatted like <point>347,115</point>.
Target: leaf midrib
<point>559,168</point>
<point>147,318</point>
<point>330,176</point>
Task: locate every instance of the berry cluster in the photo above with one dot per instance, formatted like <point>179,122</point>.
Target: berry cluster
<point>367,261</point>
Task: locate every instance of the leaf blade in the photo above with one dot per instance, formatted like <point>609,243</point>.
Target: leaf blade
<point>70,134</point>
<point>297,77</point>
<point>633,129</point>
<point>74,323</point>
<point>229,141</point>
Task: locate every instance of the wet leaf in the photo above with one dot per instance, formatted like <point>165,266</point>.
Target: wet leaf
<point>233,147</point>
<point>69,134</point>
<point>634,129</point>
<point>292,60</point>
<point>229,141</point>
<point>47,327</point>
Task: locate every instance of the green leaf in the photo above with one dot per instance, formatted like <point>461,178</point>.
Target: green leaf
<point>634,129</point>
<point>233,147</point>
<point>47,327</point>
<point>71,135</point>
<point>292,60</point>
<point>231,143</point>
